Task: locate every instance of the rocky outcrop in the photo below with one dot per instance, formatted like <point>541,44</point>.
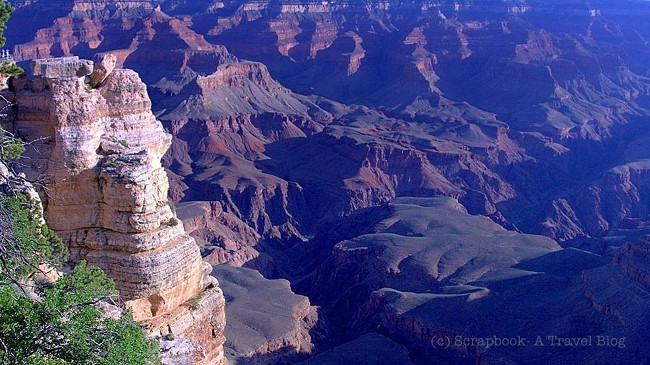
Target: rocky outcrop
<point>617,199</point>
<point>224,237</point>
<point>418,244</point>
<point>105,65</point>
<point>248,164</point>
<point>221,122</point>
<point>633,259</point>
<point>179,352</point>
<point>98,153</point>
<point>267,322</point>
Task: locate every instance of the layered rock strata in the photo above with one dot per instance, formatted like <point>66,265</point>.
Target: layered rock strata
<point>98,152</point>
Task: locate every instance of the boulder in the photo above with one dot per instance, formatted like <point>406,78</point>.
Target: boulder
<point>104,65</point>
<point>62,68</point>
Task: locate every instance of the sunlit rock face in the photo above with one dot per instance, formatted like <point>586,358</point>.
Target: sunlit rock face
<point>98,152</point>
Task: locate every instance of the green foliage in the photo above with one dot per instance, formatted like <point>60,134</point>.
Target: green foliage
<point>122,142</point>
<point>5,12</point>
<point>66,326</point>
<point>11,148</point>
<point>131,347</point>
<point>173,222</point>
<point>170,337</point>
<point>85,284</point>
<point>11,69</point>
<point>195,301</point>
<point>110,163</point>
<point>37,242</point>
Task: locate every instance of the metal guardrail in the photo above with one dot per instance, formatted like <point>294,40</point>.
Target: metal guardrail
<point>6,56</point>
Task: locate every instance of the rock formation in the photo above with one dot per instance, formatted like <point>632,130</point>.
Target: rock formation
<point>98,152</point>
<point>267,322</point>
<point>416,245</point>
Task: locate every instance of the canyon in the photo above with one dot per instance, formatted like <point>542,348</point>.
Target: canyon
<point>387,172</point>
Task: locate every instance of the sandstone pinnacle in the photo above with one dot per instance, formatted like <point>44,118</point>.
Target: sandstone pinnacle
<point>98,152</point>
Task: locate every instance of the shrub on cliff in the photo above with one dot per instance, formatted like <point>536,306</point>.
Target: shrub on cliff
<point>66,327</point>
<point>11,148</point>
<point>60,322</point>
<point>5,11</point>
<point>25,241</point>
<point>11,69</point>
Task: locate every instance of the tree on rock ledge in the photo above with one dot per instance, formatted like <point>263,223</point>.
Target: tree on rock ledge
<point>66,326</point>
<point>5,11</point>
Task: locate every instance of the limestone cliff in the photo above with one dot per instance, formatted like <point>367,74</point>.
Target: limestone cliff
<point>98,152</point>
